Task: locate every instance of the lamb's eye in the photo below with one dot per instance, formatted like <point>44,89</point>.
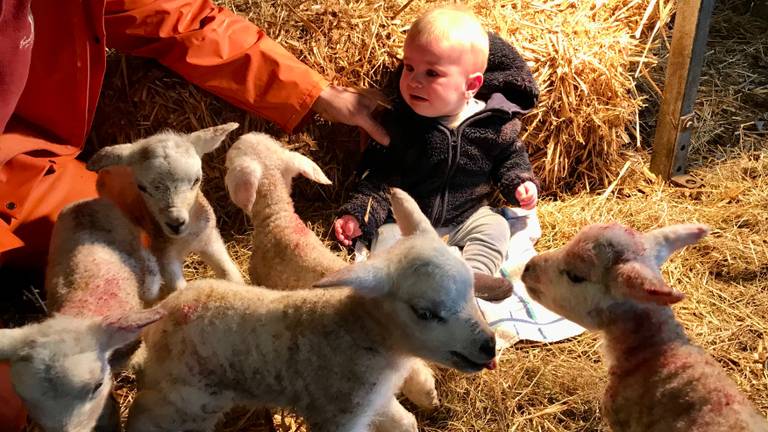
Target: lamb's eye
<point>573,277</point>
<point>196,182</point>
<point>96,387</point>
<point>427,315</point>
<point>143,189</point>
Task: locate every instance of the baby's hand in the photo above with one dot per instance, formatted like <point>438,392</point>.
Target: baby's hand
<point>526,195</point>
<point>347,228</point>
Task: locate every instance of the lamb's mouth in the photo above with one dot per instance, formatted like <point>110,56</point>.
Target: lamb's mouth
<point>533,292</point>
<point>468,365</point>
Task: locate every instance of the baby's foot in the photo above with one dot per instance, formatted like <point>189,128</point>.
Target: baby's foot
<point>492,288</point>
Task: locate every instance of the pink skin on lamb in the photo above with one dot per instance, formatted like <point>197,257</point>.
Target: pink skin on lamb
<point>299,229</point>
<point>187,313</point>
<point>607,278</point>
<point>99,299</point>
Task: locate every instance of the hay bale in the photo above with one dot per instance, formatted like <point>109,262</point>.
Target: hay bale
<point>586,57</point>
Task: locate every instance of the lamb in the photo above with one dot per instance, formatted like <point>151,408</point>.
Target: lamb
<point>162,195</point>
<point>97,272</point>
<point>259,175</point>
<point>607,278</point>
<point>334,355</point>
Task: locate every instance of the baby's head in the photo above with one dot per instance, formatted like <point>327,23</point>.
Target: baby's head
<point>445,55</point>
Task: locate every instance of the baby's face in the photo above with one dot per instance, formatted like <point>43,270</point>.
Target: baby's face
<point>436,78</point>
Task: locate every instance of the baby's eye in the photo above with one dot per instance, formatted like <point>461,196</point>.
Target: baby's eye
<point>432,73</point>
<point>408,68</point>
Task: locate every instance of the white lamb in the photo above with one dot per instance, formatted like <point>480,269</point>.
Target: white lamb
<point>259,176</point>
<point>161,194</point>
<point>97,271</point>
<point>335,355</point>
<point>285,254</point>
<point>607,278</point>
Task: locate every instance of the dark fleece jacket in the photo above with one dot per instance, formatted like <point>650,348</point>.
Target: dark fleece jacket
<point>451,173</point>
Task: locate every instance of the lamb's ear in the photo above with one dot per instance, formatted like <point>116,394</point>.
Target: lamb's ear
<point>123,328</point>
<point>309,169</point>
<point>640,283</point>
<point>369,278</point>
<point>242,181</point>
<point>663,242</point>
<point>121,154</point>
<point>407,213</point>
<point>206,140</point>
<point>11,340</point>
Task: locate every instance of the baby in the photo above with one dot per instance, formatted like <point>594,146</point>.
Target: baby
<point>449,149</point>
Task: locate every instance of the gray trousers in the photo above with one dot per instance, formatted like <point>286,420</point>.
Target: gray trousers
<point>483,239</point>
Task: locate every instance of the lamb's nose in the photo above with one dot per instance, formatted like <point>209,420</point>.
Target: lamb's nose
<point>175,227</point>
<point>488,347</point>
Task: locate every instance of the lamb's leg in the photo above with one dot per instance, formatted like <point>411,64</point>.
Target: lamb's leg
<point>172,271</point>
<point>419,386</point>
<point>215,254</point>
<point>150,290</point>
<point>172,410</point>
<point>394,418</point>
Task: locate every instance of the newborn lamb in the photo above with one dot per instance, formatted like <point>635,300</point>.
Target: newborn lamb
<point>161,194</point>
<point>607,278</point>
<point>334,355</point>
<point>97,278</point>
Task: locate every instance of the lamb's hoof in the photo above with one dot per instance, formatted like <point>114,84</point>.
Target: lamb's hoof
<point>426,400</point>
<point>492,288</point>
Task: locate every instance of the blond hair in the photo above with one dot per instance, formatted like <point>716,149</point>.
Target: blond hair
<point>452,25</point>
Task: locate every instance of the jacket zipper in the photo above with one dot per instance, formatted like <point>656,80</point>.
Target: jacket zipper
<point>453,163</point>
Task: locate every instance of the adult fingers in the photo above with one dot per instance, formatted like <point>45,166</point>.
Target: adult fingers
<point>374,129</point>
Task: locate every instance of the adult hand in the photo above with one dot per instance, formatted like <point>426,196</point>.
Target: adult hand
<point>352,107</point>
<point>347,228</point>
<point>527,194</point>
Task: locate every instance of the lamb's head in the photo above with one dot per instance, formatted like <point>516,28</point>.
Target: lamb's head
<point>60,368</point>
<point>167,170</point>
<point>604,265</point>
<point>256,155</point>
<point>426,294</point>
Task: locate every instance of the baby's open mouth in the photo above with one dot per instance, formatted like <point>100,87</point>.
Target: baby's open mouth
<point>418,98</point>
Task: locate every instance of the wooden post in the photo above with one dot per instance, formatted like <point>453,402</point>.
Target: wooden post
<point>676,116</point>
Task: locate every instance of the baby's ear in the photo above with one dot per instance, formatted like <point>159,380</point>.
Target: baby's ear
<point>474,82</point>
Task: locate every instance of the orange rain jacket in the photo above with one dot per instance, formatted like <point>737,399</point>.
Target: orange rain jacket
<point>52,61</point>
<point>208,45</point>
